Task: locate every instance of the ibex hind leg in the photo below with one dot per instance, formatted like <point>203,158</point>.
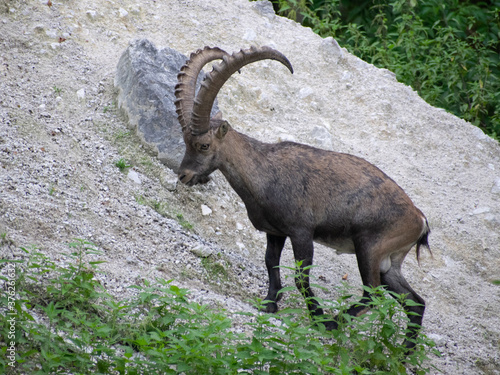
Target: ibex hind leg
<point>369,269</point>
<point>395,282</point>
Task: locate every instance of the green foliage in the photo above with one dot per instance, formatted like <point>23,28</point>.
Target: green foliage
<point>449,51</point>
<point>216,267</point>
<point>122,164</point>
<point>67,322</point>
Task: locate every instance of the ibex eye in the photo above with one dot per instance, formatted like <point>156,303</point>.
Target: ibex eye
<point>204,147</point>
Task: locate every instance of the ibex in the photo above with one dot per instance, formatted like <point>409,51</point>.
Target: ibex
<point>301,192</point>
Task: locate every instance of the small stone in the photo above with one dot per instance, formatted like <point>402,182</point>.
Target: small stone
<point>134,176</point>
<point>39,28</point>
<point>122,13</point>
<point>81,94</point>
<point>496,187</point>
<point>52,34</point>
<point>92,14</point>
<point>168,180</point>
<point>438,339</point>
<point>135,9</point>
<point>305,92</point>
<point>480,210</point>
<point>202,251</point>
<point>205,210</point>
<point>131,260</point>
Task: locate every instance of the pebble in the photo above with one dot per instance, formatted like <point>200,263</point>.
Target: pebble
<point>122,13</point>
<point>480,210</point>
<point>168,180</point>
<point>438,339</point>
<point>496,186</point>
<point>202,251</point>
<point>305,92</point>
<point>134,176</point>
<point>80,94</point>
<point>205,210</point>
<point>92,14</point>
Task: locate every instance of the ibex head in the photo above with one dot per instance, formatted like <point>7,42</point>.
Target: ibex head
<point>204,136</point>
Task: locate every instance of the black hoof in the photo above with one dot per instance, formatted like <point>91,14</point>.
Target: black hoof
<point>269,307</point>
<point>330,325</point>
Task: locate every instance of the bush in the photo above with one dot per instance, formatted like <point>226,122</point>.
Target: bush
<point>446,50</point>
<point>67,323</point>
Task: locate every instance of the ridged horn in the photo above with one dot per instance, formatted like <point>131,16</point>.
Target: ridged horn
<point>200,120</point>
<point>186,81</point>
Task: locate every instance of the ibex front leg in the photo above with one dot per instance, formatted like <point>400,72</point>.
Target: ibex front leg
<point>275,246</point>
<point>303,250</point>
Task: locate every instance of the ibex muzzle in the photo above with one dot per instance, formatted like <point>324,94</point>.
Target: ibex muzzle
<point>300,192</point>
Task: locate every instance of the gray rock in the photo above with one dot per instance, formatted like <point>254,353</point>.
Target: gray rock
<point>265,8</point>
<point>202,251</point>
<point>331,50</point>
<point>134,176</point>
<point>146,77</point>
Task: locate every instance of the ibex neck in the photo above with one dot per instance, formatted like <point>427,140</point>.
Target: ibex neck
<point>243,159</point>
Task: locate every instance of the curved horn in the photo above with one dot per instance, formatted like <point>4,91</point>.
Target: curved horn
<point>186,81</point>
<point>203,103</point>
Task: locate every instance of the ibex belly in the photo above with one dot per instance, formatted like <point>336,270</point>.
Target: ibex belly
<point>346,246</point>
<point>341,245</point>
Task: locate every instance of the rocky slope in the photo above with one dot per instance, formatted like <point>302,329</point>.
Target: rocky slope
<point>61,134</point>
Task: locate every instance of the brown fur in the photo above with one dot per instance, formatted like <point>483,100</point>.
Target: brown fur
<point>306,194</point>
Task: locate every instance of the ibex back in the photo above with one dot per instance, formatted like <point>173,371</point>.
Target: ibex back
<point>304,193</point>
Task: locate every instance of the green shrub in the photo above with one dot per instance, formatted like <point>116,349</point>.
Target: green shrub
<point>449,51</point>
<point>67,322</point>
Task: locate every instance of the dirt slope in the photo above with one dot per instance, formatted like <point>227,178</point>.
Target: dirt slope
<point>61,134</point>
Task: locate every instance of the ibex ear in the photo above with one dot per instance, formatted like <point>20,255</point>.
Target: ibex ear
<point>223,129</point>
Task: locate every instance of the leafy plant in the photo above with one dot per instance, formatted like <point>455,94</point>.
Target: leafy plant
<point>216,268</point>
<point>81,328</point>
<point>122,164</point>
